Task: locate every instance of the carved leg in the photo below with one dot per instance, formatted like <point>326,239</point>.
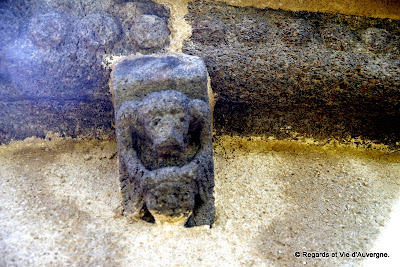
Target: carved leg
<point>204,210</point>
<point>132,197</point>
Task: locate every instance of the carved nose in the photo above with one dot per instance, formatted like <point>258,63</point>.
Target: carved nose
<point>170,139</point>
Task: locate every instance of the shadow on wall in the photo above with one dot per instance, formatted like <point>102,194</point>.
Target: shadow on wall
<point>340,208</point>
<point>288,197</point>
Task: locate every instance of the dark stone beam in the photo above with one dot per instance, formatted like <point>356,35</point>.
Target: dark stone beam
<point>22,119</point>
<point>322,75</point>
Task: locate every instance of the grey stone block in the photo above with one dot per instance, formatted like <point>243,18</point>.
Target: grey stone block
<point>98,31</point>
<point>149,31</point>
<point>163,128</point>
<point>135,77</point>
<point>48,30</point>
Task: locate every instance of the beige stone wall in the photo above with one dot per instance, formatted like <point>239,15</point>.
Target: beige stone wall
<point>369,8</point>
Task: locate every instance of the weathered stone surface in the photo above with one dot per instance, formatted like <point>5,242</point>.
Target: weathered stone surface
<point>340,71</point>
<point>376,39</point>
<point>9,26</point>
<point>135,77</point>
<point>337,37</point>
<point>48,30</point>
<point>320,75</point>
<point>164,139</point>
<point>21,119</point>
<point>150,31</point>
<point>55,51</point>
<point>98,30</point>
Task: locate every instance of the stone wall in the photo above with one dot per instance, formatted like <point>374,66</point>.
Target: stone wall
<point>273,72</point>
<point>284,73</point>
<point>53,75</point>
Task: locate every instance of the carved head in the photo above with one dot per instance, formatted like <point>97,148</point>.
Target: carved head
<point>173,202</point>
<point>165,117</point>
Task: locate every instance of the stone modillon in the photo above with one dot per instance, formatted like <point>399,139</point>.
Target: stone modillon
<point>164,142</point>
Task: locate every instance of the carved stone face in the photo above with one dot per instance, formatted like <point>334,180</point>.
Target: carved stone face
<point>166,123</point>
<point>167,130</point>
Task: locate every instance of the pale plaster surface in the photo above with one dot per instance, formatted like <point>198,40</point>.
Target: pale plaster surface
<point>60,205</point>
<point>179,28</point>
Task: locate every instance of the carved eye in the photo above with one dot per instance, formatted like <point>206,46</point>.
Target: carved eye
<point>155,122</point>
<point>182,117</point>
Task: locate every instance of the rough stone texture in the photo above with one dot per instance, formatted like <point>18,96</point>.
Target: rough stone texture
<point>292,63</point>
<point>53,52</point>
<point>150,31</point>
<point>135,77</point>
<point>73,118</point>
<point>164,139</point>
<point>283,73</point>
